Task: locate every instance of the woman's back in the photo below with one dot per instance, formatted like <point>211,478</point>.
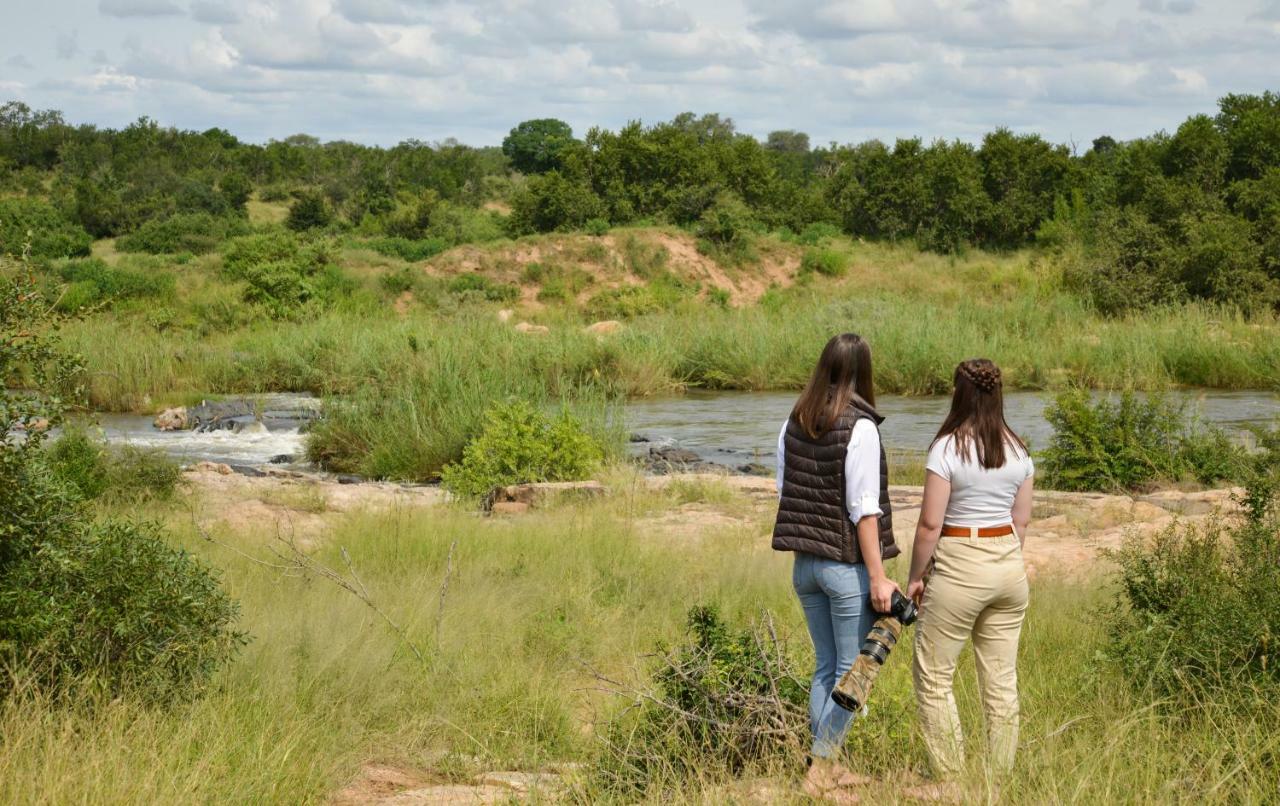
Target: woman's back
<point>979,496</point>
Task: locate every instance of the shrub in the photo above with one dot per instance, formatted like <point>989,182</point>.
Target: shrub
<point>197,233</point>
<point>241,254</point>
<point>817,232</point>
<point>1200,606</point>
<point>309,210</point>
<point>87,466</point>
<point>725,228</point>
<point>398,281</point>
<point>596,227</point>
<point>827,262</point>
<point>284,288</point>
<point>553,202</point>
<point>107,603</point>
<point>519,444</point>
<point>484,287</point>
<point>1131,443</point>
<point>664,292</point>
<point>722,700</point>
<point>111,604</point>
<point>50,235</point>
<point>93,281</point>
<point>406,249</point>
<point>1128,265</point>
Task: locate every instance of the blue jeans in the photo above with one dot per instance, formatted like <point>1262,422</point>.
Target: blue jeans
<point>836,598</point>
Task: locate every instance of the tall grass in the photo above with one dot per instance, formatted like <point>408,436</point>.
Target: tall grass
<point>324,687</point>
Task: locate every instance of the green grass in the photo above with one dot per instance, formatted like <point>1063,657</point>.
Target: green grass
<point>324,687</point>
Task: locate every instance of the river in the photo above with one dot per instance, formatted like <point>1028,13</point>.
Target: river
<point>727,427</point>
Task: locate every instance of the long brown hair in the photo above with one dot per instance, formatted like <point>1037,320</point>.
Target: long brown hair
<point>977,413</point>
<point>844,369</point>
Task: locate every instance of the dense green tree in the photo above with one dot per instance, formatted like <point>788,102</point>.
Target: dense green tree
<point>1022,175</point>
<point>310,210</point>
<point>537,146</point>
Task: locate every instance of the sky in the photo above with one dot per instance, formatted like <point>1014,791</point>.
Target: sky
<point>383,71</point>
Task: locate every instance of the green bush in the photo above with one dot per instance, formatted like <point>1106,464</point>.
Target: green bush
<point>725,228</point>
<point>1200,610</point>
<point>519,444</point>
<point>285,288</point>
<point>1131,443</point>
<point>112,605</point>
<point>397,281</point>
<point>243,253</point>
<point>553,202</point>
<point>87,466</point>
<point>404,248</point>
<point>1127,266</point>
<point>92,281</point>
<point>827,262</point>
<point>722,700</point>
<point>197,233</point>
<point>104,603</point>
<point>596,227</point>
<point>310,210</point>
<point>483,287</point>
<point>663,293</point>
<point>817,233</point>
<point>50,235</point>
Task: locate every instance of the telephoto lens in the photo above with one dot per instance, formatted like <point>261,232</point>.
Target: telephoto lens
<point>852,690</point>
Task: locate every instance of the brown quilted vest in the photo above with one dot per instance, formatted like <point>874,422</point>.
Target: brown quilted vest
<point>812,514</point>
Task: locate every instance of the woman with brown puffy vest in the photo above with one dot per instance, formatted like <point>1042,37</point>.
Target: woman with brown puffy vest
<point>834,513</point>
<point>967,570</point>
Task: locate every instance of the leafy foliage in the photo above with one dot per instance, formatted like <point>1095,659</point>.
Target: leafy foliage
<point>518,444</point>
<point>38,223</point>
<point>93,281</point>
<point>196,233</point>
<point>1201,605</point>
<point>87,466</point>
<point>1130,443</point>
<point>111,604</point>
<point>106,603</point>
<point>537,146</point>
<point>724,699</point>
<point>309,210</point>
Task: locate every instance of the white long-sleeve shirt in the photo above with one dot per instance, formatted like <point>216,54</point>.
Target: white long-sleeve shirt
<point>861,469</point>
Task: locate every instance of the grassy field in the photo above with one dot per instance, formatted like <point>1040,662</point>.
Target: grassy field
<point>324,687</point>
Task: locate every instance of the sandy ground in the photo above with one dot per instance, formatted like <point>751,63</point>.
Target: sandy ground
<point>1067,533</point>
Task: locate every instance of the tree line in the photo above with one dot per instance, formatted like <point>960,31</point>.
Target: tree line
<point>1190,214</point>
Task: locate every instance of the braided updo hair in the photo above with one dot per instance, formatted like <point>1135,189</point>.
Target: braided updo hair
<point>977,414</point>
<point>981,373</point>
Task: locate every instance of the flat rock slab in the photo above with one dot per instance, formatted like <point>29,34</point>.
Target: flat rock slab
<point>452,795</point>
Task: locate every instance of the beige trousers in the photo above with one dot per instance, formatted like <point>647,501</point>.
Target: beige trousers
<point>978,589</point>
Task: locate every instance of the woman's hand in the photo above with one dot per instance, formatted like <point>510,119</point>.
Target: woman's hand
<point>882,589</point>
<point>915,591</point>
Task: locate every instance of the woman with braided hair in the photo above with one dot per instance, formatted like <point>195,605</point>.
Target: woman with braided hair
<point>967,573</point>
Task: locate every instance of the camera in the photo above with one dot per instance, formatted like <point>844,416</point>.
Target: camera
<point>852,690</point>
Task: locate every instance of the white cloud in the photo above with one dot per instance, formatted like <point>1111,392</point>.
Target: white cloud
<point>386,70</point>
<point>138,8</point>
<point>19,61</point>
<point>217,12</point>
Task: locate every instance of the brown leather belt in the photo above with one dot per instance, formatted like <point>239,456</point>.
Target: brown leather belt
<point>981,531</point>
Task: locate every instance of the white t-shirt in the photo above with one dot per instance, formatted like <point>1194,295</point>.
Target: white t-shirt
<point>979,497</point>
